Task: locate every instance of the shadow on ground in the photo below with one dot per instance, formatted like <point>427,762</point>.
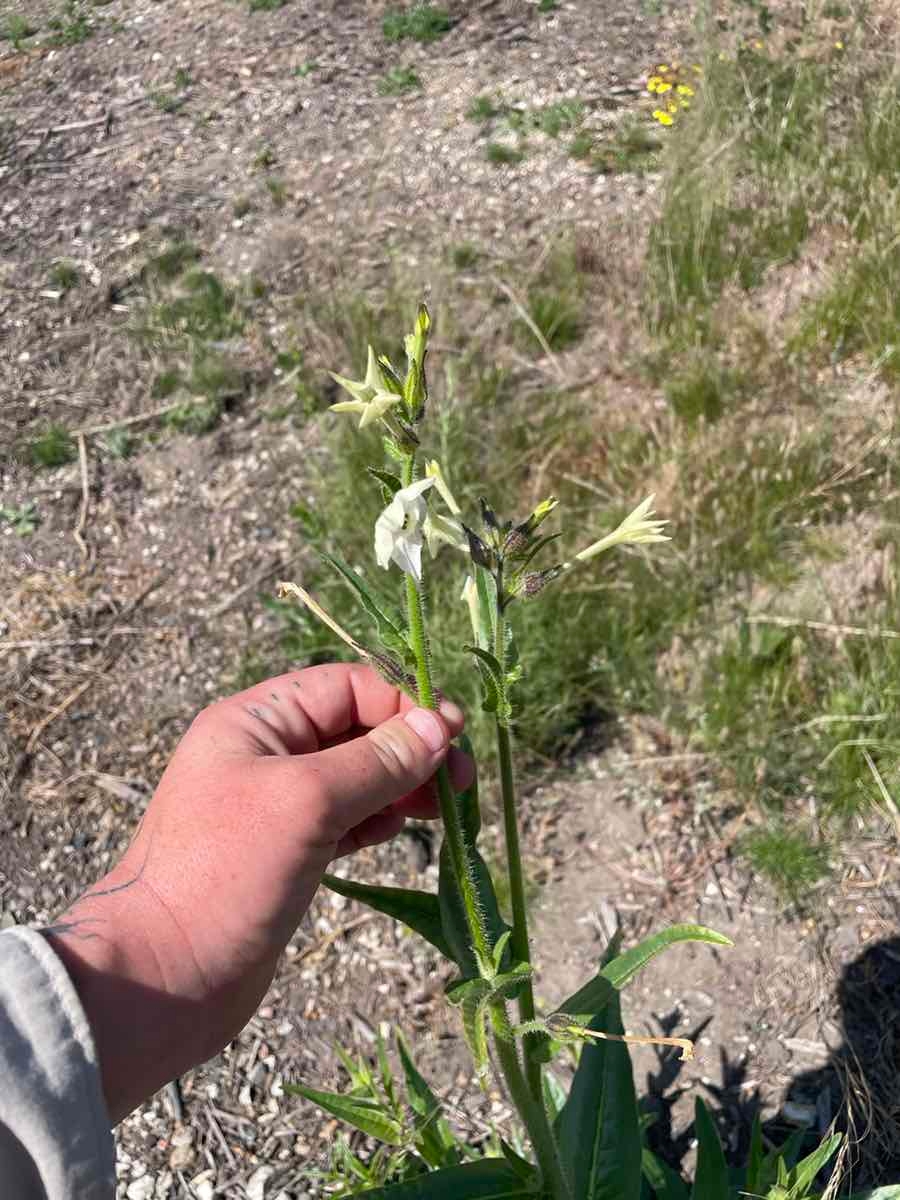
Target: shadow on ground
<point>859,1086</point>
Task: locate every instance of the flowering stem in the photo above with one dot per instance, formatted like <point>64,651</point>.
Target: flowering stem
<point>453,830</point>
<point>519,940</point>
<point>528,1102</point>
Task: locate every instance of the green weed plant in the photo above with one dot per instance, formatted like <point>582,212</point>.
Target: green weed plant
<point>576,1145</point>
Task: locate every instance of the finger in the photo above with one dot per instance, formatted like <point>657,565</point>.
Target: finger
<point>423,803</point>
<point>362,777</point>
<point>300,712</point>
<point>380,827</point>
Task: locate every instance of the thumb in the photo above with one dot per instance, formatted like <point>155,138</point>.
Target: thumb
<point>364,776</point>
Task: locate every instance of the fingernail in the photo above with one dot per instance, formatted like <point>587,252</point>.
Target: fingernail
<point>452,712</point>
<point>428,727</point>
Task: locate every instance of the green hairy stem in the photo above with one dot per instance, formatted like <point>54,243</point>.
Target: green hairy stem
<point>452,825</point>
<point>525,1094</point>
<point>519,940</point>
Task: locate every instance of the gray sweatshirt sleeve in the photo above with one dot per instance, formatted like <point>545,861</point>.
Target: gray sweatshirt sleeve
<point>55,1141</point>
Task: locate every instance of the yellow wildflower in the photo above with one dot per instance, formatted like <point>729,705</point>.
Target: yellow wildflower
<point>698,70</point>
<point>838,45</point>
<point>663,117</point>
<point>672,106</point>
<point>684,89</point>
<point>663,86</point>
<point>653,83</point>
<point>663,69</point>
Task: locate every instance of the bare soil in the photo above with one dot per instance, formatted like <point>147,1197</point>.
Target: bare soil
<point>132,603</point>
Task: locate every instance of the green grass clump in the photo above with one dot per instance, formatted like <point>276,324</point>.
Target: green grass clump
<point>23,519</point>
<point>581,145</point>
<point>52,448</point>
<point>482,109</point>
<point>195,417</point>
<point>15,28</point>
<point>421,23</point>
<point>72,26</point>
<point>204,309</point>
<point>860,311</point>
<point>277,190</point>
<point>215,377</point>
<point>165,384</point>
<point>557,314</point>
<point>166,102</point>
<point>788,859</point>
<point>398,81</point>
<point>264,158</point>
<point>119,443</point>
<point>703,391</point>
<point>465,256</point>
<point>554,119</point>
<point>499,154</point>
<point>173,260</point>
<point>64,275</point>
<point>266,5</point>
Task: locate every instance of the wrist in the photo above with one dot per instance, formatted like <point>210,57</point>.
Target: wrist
<point>127,962</point>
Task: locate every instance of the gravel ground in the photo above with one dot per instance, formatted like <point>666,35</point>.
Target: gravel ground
<point>130,605</point>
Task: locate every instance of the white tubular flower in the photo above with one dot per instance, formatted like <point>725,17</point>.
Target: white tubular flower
<point>372,397</point>
<point>638,527</point>
<point>399,530</point>
<point>470,596</point>
<point>433,471</point>
<point>439,528</point>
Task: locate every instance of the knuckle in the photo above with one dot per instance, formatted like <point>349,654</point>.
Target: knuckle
<point>394,753</point>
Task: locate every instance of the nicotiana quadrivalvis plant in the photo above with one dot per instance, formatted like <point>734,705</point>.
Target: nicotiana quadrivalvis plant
<point>587,1144</point>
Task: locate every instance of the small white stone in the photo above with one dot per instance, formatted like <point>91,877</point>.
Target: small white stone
<point>141,1189</point>
<point>256,1184</point>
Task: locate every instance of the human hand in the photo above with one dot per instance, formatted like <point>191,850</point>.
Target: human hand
<point>173,950</point>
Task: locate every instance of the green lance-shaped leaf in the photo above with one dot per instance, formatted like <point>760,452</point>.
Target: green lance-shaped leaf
<point>590,999</point>
<point>453,913</point>
<point>488,1179</point>
<point>367,1115</point>
<point>493,684</point>
<point>361,1081</point>
<point>434,1139</point>
<point>391,483</point>
<point>554,1094</point>
<point>755,1159</point>
<point>390,631</point>
<point>387,1077</point>
<point>665,1183</point>
<point>522,1167</point>
<point>421,911</point>
<point>599,1130</point>
<point>803,1176</point>
<point>711,1174</point>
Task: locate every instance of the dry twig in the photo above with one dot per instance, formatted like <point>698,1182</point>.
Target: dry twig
<point>78,532</point>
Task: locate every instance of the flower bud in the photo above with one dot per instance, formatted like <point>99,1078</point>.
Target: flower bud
<point>516,543</point>
<point>478,551</point>
<point>535,581</point>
